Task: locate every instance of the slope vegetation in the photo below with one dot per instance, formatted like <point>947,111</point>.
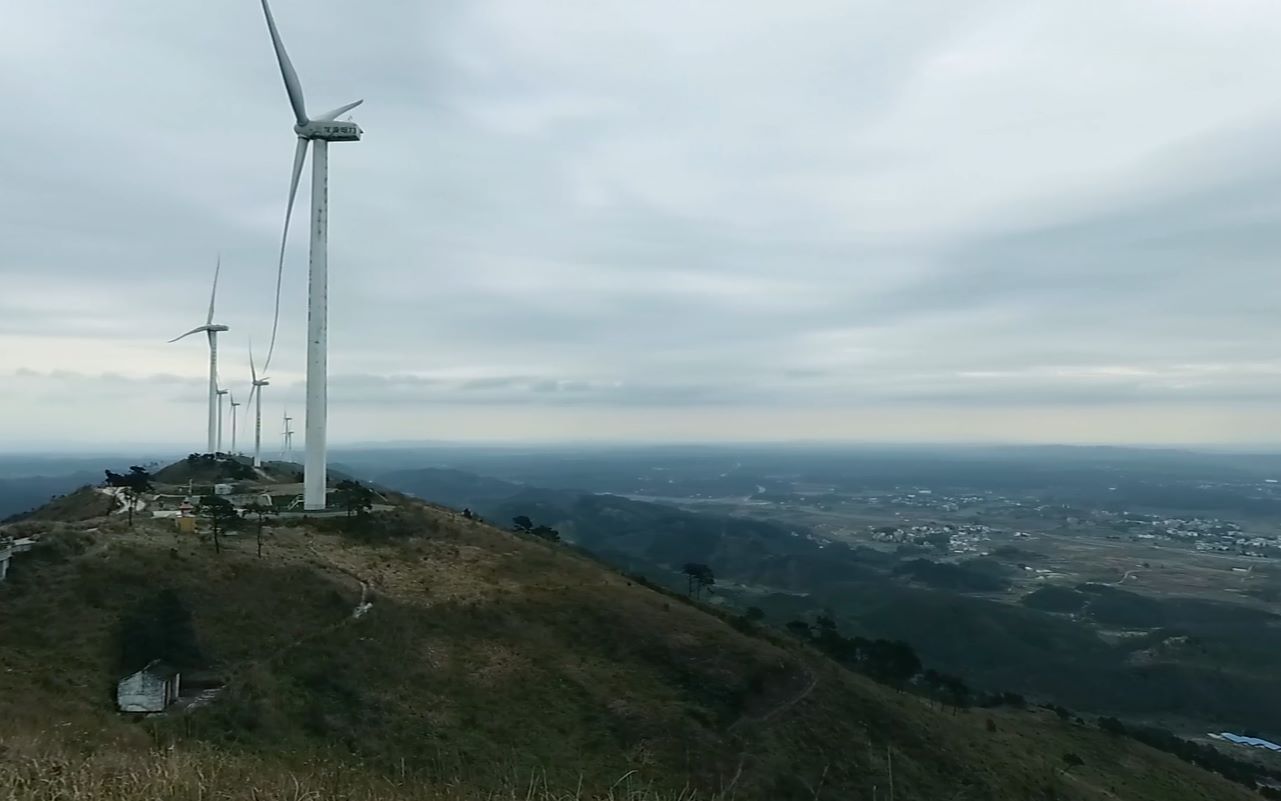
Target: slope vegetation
<point>487,663</point>
<point>1186,664</point>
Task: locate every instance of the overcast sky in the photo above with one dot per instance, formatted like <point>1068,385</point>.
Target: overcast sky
<point>731,219</point>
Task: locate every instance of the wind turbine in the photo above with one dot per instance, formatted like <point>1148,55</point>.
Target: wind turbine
<point>255,395</point>
<point>220,392</point>
<point>288,452</point>
<point>232,400</point>
<point>319,132</point>
<point>212,330</point>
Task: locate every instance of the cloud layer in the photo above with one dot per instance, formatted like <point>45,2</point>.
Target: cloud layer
<point>869,220</point>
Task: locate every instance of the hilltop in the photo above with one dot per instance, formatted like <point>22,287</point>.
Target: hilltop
<point>209,468</point>
<point>85,503</point>
<point>487,660</point>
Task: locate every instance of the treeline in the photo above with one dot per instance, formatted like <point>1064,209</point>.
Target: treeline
<point>890,662</point>
<point>897,665</point>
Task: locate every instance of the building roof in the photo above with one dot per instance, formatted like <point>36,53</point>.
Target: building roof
<point>158,668</point>
<point>1254,742</point>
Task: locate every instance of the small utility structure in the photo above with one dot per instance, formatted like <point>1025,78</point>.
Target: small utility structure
<point>150,690</point>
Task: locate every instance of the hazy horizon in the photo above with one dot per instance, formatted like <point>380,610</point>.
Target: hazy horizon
<point>79,450</point>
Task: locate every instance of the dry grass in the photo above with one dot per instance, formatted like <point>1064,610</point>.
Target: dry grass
<point>483,652</point>
<point>31,770</point>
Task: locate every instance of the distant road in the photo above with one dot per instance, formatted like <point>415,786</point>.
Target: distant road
<point>1125,578</point>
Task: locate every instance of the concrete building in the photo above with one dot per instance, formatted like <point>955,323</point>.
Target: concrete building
<point>151,689</point>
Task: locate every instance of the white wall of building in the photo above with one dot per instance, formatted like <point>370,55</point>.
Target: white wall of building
<point>146,692</point>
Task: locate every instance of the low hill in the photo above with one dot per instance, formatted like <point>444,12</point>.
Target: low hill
<point>84,503</point>
<point>204,468</point>
<point>23,494</point>
<point>486,662</point>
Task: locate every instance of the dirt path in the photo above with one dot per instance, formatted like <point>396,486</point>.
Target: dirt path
<point>787,703</point>
<point>117,495</point>
<point>365,604</point>
<point>1129,574</point>
<point>1099,791</point>
<point>811,681</point>
<point>360,610</point>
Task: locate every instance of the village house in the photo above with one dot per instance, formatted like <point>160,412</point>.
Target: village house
<point>10,547</point>
<point>151,689</point>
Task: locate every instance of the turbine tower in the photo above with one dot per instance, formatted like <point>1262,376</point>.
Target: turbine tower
<point>220,393</point>
<point>232,401</point>
<point>255,396</point>
<point>320,132</point>
<point>212,330</point>
<point>287,452</point>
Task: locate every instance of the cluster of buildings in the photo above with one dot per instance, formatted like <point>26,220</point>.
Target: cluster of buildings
<point>1250,742</point>
<point>918,498</point>
<point>1257,547</point>
<point>1204,534</point>
<point>955,537</point>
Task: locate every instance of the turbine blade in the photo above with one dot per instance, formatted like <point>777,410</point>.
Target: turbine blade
<point>300,157</point>
<point>292,85</point>
<point>189,333</point>
<point>214,294</point>
<point>329,116</point>
<point>253,371</point>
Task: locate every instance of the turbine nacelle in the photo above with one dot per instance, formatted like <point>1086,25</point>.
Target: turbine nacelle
<point>212,329</point>
<point>329,131</point>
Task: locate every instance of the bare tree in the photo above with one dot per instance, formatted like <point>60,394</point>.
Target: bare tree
<point>261,511</point>
<point>220,514</point>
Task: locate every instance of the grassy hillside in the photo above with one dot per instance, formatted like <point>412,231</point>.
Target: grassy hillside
<point>22,494</point>
<point>487,661</point>
<point>84,503</point>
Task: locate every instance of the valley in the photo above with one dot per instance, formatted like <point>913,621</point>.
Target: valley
<point>1048,573</point>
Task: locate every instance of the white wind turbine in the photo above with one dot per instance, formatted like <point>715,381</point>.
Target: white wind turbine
<point>320,131</point>
<point>287,452</point>
<point>220,393</point>
<point>212,330</point>
<point>255,397</point>
<point>232,401</point>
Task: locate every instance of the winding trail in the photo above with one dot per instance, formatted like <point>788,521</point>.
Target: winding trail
<point>360,610</point>
<point>122,503</point>
<point>1129,574</point>
<point>365,604</point>
<point>780,708</point>
<point>770,714</point>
